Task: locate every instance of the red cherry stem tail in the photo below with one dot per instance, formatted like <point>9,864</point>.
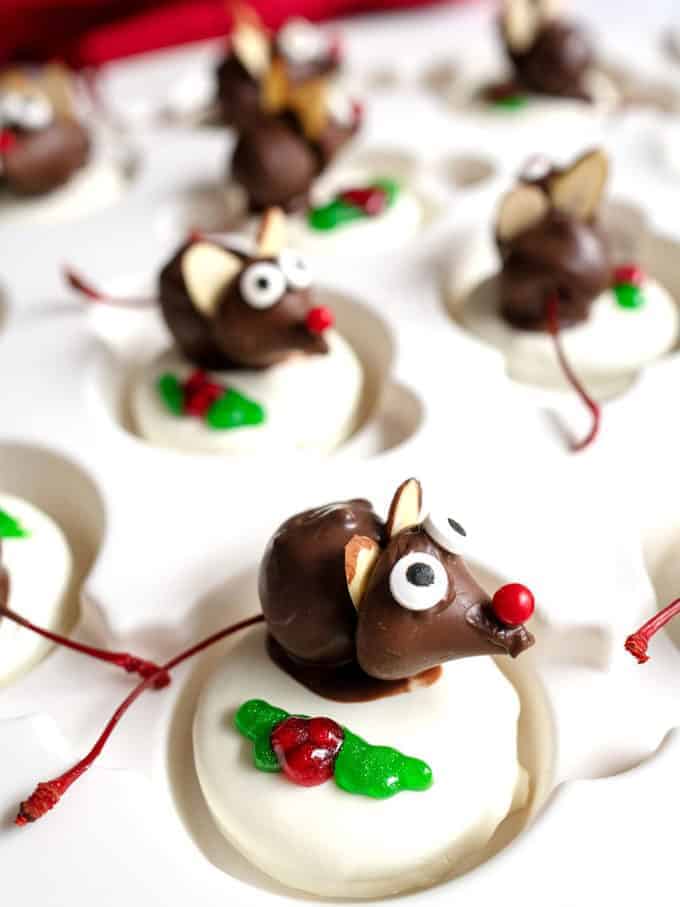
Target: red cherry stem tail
<point>552,311</point>
<point>130,663</point>
<point>86,289</point>
<point>48,793</point>
<point>637,642</point>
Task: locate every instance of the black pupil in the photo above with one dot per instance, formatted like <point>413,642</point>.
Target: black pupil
<point>262,283</point>
<point>457,527</point>
<point>420,574</point>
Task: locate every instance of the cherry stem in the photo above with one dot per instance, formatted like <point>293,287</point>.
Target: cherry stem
<point>552,310</point>
<point>48,793</point>
<point>637,642</point>
<point>86,289</point>
<point>130,663</point>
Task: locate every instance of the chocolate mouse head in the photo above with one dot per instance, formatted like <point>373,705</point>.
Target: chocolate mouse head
<point>549,56</point>
<point>304,119</point>
<point>226,307</point>
<point>303,50</point>
<point>338,586</point>
<point>551,244</point>
<point>41,143</point>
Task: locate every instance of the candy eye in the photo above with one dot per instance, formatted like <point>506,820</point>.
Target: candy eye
<point>295,269</point>
<point>418,581</point>
<point>37,113</point>
<point>262,285</point>
<point>447,532</point>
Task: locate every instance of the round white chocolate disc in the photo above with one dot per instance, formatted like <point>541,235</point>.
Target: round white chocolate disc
<point>606,351</point>
<point>328,842</point>
<point>39,567</point>
<point>96,185</point>
<point>310,402</point>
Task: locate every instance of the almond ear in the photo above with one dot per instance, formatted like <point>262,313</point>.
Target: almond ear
<point>405,507</point>
<point>521,20</point>
<point>522,208</point>
<point>250,45</point>
<point>57,83</point>
<point>207,269</point>
<point>361,555</point>
<point>578,190</point>
<point>271,236</point>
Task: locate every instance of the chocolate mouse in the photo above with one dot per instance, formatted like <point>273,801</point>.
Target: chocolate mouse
<point>552,245</point>
<point>358,609</point>
<point>227,308</point>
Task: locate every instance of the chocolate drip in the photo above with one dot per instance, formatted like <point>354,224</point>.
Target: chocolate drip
<point>557,63</point>
<point>346,683</point>
<point>44,159</point>
<point>236,335</point>
<point>560,256</point>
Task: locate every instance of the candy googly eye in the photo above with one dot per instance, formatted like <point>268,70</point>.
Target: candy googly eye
<point>448,532</point>
<point>263,285</point>
<point>418,581</point>
<point>37,113</point>
<point>295,269</point>
<point>11,107</point>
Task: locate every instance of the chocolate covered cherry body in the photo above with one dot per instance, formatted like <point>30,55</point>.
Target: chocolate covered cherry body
<point>357,609</point>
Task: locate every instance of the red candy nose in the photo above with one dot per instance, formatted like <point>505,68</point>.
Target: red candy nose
<point>513,604</point>
<point>7,140</point>
<point>319,319</point>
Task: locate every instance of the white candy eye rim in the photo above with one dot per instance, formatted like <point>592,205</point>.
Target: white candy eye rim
<point>19,109</point>
<point>37,113</point>
<point>296,269</point>
<point>255,291</point>
<point>412,596</point>
<point>452,536</point>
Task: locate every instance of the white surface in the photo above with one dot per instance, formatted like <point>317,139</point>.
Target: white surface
<point>326,841</point>
<point>39,568</point>
<point>309,401</point>
<point>173,554</point>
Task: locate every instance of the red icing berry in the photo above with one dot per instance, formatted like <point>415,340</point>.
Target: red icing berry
<point>513,604</point>
<point>8,140</point>
<point>307,748</point>
<point>200,393</point>
<point>371,201</point>
<point>319,319</point>
<point>630,274</point>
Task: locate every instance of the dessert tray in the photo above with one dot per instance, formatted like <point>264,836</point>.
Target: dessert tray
<point>166,544</point>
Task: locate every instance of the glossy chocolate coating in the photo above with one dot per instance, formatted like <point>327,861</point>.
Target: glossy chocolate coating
<point>560,255</point>
<point>238,93</point>
<point>276,164</point>
<point>326,644</point>
<point>237,335</point>
<point>302,584</point>
<point>45,159</point>
<point>557,62</point>
<point>393,642</point>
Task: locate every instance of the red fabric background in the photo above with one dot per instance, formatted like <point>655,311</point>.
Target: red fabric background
<point>91,32</point>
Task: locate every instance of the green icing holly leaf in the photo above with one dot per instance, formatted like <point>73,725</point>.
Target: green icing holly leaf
<point>378,771</point>
<point>171,393</point>
<point>360,768</point>
<point>629,296</point>
<point>339,211</point>
<point>256,720</point>
<point>511,102</point>
<point>233,410</point>
<point>10,528</point>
